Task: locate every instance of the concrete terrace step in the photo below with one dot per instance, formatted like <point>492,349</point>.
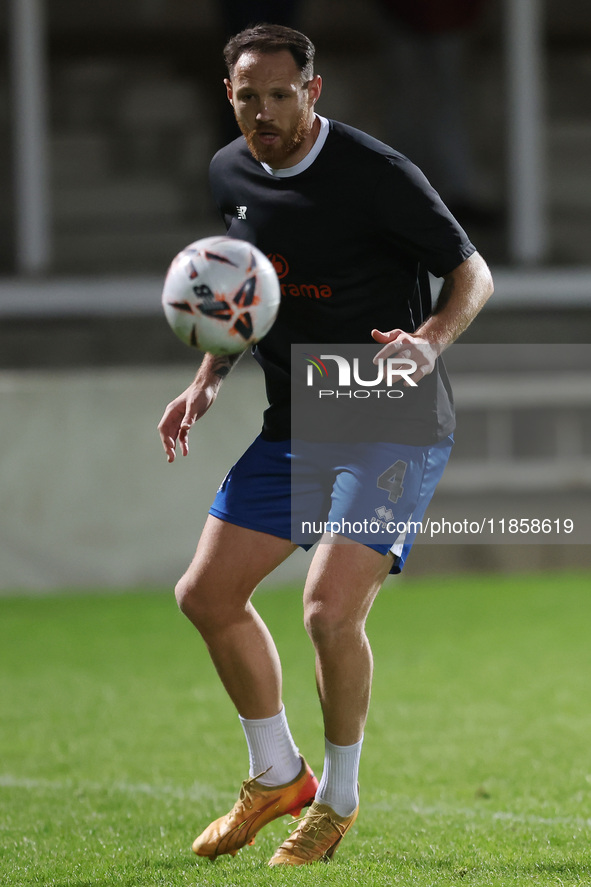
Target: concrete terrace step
<point>124,251</point>
<point>128,200</point>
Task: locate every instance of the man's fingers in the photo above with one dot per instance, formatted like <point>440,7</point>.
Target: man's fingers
<point>388,350</point>
<point>169,434</point>
<point>166,438</point>
<point>419,374</point>
<point>381,337</point>
<point>179,417</point>
<point>393,341</point>
<point>169,447</point>
<point>186,425</point>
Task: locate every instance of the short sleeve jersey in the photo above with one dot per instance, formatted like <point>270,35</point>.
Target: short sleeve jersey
<point>352,237</point>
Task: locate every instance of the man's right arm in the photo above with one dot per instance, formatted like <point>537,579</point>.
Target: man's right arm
<point>182,412</point>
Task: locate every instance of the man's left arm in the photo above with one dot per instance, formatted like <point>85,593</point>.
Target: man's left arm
<point>465,290</point>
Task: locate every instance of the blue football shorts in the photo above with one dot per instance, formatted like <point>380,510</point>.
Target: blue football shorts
<point>373,493</point>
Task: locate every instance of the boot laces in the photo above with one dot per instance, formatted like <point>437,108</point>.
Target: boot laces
<point>249,792</point>
<point>312,830</point>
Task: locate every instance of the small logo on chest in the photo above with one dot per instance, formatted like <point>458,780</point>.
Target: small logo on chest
<point>241,212</point>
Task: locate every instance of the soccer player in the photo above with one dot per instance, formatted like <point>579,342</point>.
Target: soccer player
<point>357,228</point>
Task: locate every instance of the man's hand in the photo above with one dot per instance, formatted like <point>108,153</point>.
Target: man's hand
<point>180,414</point>
<point>464,292</point>
<point>410,346</point>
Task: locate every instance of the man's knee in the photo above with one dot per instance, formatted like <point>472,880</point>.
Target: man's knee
<point>186,592</point>
<point>326,620</point>
<point>196,598</point>
<point>209,604</point>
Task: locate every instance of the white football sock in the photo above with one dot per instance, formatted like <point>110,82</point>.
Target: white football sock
<point>339,787</point>
<point>271,749</point>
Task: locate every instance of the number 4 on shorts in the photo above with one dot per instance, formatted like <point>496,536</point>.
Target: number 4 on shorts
<point>391,480</point>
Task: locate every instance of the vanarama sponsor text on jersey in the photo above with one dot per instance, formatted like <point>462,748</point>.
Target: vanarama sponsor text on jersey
<point>307,290</point>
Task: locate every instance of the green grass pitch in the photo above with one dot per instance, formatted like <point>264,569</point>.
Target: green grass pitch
<point>118,744</point>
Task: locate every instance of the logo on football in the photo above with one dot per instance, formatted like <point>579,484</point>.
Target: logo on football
<point>221,295</point>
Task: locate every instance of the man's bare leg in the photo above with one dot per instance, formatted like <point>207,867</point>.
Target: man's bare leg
<point>215,593</point>
<point>342,584</point>
<point>341,587</point>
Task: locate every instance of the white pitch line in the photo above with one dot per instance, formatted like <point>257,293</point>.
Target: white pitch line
<point>197,790</point>
<point>474,813</point>
<point>193,792</point>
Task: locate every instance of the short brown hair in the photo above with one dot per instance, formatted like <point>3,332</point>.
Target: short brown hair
<point>272,38</point>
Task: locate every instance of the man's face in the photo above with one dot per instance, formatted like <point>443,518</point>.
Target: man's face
<point>273,107</point>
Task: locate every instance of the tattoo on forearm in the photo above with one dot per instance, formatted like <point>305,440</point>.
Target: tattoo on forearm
<point>223,364</point>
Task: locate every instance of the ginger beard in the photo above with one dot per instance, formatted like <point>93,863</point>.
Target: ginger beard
<point>287,144</point>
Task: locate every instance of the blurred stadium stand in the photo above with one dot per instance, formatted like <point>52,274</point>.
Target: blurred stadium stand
<point>134,112</point>
<point>135,99</point>
<point>134,104</point>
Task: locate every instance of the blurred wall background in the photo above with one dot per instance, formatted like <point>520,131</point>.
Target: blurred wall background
<point>131,109</point>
